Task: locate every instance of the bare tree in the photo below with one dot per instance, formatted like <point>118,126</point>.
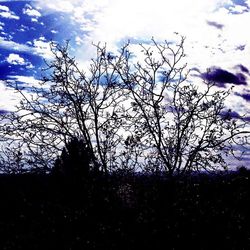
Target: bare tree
<point>129,114</point>
<point>181,126</point>
<point>68,104</point>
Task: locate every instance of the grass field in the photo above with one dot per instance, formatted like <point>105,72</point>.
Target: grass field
<point>125,212</point>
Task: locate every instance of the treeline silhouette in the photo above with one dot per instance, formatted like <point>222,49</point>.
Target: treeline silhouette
<point>77,206</point>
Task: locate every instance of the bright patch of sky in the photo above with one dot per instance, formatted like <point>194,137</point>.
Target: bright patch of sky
<point>217,35</point>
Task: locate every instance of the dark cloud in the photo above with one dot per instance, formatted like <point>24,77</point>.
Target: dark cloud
<point>215,24</point>
<point>240,47</point>
<point>226,114</point>
<point>229,114</point>
<point>221,77</point>
<point>243,68</point>
<point>246,118</point>
<point>245,96</point>
<point>2,111</point>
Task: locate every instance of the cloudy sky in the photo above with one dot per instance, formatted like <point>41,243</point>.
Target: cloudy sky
<point>217,37</point>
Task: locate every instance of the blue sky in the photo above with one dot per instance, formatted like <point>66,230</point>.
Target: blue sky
<point>217,37</point>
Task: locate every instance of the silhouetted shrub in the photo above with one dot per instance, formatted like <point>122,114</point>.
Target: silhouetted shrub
<point>243,170</point>
<point>75,161</point>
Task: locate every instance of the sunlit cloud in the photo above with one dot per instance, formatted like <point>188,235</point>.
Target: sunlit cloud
<point>113,21</point>
<point>15,59</point>
<point>36,47</point>
<point>28,10</point>
<point>9,99</point>
<point>6,13</point>
<point>6,44</point>
<point>27,81</point>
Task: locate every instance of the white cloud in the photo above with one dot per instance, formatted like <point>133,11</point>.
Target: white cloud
<point>42,48</point>
<point>33,13</point>
<point>30,66</point>
<point>6,13</point>
<point>15,59</point>
<point>33,19</point>
<point>23,28</point>
<point>28,81</point>
<point>28,10</point>
<point>114,20</point>
<point>238,9</point>
<point>6,44</point>
<point>54,31</point>
<point>38,47</point>
<point>79,40</point>
<point>61,6</point>
<point>4,8</point>
<point>9,99</point>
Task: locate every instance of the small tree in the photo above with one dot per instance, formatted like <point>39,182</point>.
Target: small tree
<point>130,114</point>
<point>75,160</point>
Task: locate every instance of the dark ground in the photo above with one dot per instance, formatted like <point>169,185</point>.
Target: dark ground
<point>130,212</point>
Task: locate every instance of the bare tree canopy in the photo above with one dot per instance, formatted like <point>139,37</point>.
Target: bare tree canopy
<point>133,113</point>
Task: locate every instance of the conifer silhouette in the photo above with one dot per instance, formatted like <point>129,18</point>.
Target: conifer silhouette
<point>75,160</point>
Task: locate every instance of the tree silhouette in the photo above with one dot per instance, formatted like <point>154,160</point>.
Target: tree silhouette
<point>76,160</point>
<point>131,114</point>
